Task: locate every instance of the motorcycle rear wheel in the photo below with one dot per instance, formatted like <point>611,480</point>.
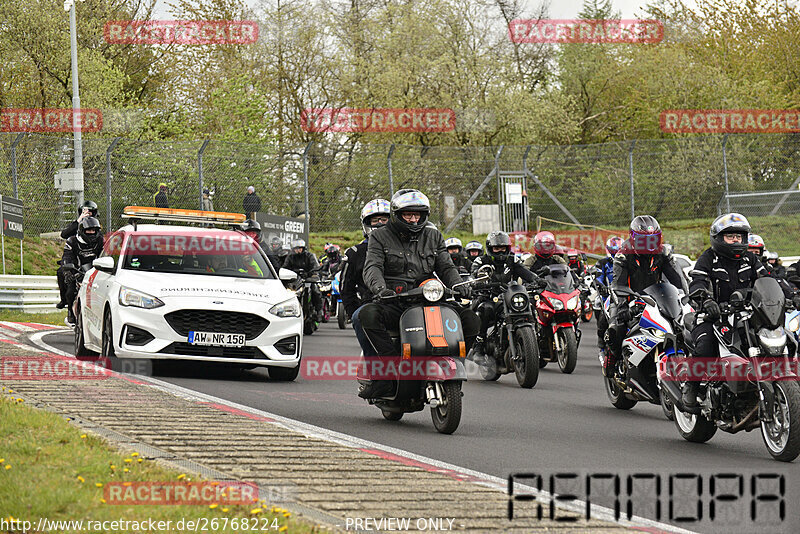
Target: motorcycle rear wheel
<point>782,436</point>
<point>694,427</point>
<point>447,416</point>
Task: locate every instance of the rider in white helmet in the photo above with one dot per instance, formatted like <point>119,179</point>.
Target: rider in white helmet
<point>456,251</point>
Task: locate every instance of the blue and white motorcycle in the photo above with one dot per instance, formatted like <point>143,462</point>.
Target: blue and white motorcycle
<point>341,316</point>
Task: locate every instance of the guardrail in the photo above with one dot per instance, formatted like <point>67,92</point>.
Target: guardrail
<point>29,293</point>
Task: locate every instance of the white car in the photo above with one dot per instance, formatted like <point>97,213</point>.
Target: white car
<point>189,293</point>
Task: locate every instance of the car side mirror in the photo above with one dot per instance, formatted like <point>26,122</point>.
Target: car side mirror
<point>287,275</point>
<point>105,264</point>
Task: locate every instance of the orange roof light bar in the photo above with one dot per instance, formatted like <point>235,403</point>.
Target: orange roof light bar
<point>176,214</point>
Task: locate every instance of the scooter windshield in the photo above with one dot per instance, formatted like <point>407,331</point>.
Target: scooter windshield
<point>559,279</point>
<point>667,298</point>
<point>769,300</point>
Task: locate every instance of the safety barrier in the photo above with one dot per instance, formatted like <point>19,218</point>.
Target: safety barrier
<point>29,293</point>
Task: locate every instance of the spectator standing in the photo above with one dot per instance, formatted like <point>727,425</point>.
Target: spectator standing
<point>251,203</point>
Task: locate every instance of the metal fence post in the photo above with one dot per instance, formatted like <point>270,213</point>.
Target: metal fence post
<point>200,169</point>
<point>109,150</point>
<point>630,172</point>
<point>305,182</point>
<point>15,185</point>
<point>525,186</point>
<point>500,206</point>
<point>725,170</point>
<point>389,163</point>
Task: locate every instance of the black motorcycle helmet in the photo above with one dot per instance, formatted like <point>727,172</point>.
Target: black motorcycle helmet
<point>730,223</point>
<point>498,239</point>
<point>89,231</point>
<point>276,244</point>
<point>645,235</point>
<point>409,200</point>
<point>253,229</point>
<point>92,208</point>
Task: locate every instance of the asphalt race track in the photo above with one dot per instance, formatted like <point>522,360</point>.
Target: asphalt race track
<point>565,425</point>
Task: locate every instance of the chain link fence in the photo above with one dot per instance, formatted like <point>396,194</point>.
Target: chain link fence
<point>602,184</point>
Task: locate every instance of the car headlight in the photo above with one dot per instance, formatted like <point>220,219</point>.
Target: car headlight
<point>433,290</point>
<point>794,324</point>
<point>573,302</point>
<point>519,302</point>
<point>290,308</point>
<point>137,299</point>
<point>558,305</point>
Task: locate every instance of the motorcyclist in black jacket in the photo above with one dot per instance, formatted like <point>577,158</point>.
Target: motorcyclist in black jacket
<point>507,267</point>
<point>400,256</point>
<point>352,288</point>
<point>545,252</point>
<point>79,250</point>
<point>719,271</point>
<point>301,259</point>
<point>274,252</point>
<point>87,209</point>
<point>641,262</point>
<point>332,261</point>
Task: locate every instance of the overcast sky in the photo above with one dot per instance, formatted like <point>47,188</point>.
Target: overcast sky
<point>559,9</point>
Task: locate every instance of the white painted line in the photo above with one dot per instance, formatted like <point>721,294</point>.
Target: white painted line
<point>601,513</point>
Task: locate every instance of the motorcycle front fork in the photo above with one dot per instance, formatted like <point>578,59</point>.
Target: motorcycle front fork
<point>433,393</point>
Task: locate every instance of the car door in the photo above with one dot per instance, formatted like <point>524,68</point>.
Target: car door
<point>99,284</point>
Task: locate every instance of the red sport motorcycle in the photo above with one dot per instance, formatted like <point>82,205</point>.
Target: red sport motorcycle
<point>558,311</point>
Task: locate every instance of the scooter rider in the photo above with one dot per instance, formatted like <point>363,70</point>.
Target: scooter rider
<point>455,249</point>
<point>87,209</point>
<point>473,249</point>
<point>401,255</point>
<point>352,289</point>
<point>641,262</point>
<point>719,271</point>
<point>507,267</point>
<point>80,250</point>
<point>301,259</point>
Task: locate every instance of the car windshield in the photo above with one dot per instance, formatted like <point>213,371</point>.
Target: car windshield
<point>217,253</point>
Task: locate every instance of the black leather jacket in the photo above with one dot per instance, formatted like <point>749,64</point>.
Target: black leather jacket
<point>352,288</point>
<point>402,260</point>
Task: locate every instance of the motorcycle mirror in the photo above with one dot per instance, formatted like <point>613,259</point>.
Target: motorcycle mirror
<point>649,300</point>
<point>737,297</point>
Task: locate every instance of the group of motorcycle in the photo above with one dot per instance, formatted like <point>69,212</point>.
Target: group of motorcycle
<point>328,287</point>
<point>757,327</point>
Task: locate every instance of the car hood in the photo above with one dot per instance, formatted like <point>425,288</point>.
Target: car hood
<point>169,285</point>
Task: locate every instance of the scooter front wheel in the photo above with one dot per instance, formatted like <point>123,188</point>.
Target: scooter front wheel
<point>447,415</point>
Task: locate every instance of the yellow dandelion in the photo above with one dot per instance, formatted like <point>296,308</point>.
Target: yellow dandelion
<point>103,501</point>
<point>98,484</point>
<point>283,529</point>
<point>20,400</point>
<point>2,460</point>
<point>224,494</point>
<point>83,436</point>
<point>139,460</point>
<point>181,476</point>
<point>128,460</point>
<point>134,454</point>
<point>81,479</point>
<point>256,511</point>
<point>212,506</point>
<point>225,510</point>
<point>287,514</point>
<point>11,391</point>
<point>125,470</point>
<point>8,467</point>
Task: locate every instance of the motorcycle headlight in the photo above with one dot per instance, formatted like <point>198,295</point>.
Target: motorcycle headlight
<point>557,304</point>
<point>573,302</point>
<point>519,302</point>
<point>325,287</point>
<point>794,324</point>
<point>772,341</point>
<point>433,290</point>
<point>137,299</point>
<point>655,332</point>
<point>289,308</point>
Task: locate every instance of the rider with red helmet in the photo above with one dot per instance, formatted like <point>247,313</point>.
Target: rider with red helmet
<point>545,252</point>
<point>575,263</point>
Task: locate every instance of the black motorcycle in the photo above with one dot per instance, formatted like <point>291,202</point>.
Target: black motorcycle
<point>302,287</point>
<point>753,382</point>
<point>511,344</point>
<point>430,370</point>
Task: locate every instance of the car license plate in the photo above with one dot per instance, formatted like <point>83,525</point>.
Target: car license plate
<point>216,338</point>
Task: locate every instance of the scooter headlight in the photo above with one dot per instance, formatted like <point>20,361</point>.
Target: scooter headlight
<point>573,302</point>
<point>433,290</point>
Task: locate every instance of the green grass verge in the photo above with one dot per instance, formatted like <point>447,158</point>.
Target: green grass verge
<point>49,469</point>
<point>26,317</point>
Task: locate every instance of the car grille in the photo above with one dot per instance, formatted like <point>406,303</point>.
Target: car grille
<point>186,349</point>
<point>226,322</point>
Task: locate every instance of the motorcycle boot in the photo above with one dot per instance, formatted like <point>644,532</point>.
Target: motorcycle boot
<point>374,389</point>
<point>689,396</point>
